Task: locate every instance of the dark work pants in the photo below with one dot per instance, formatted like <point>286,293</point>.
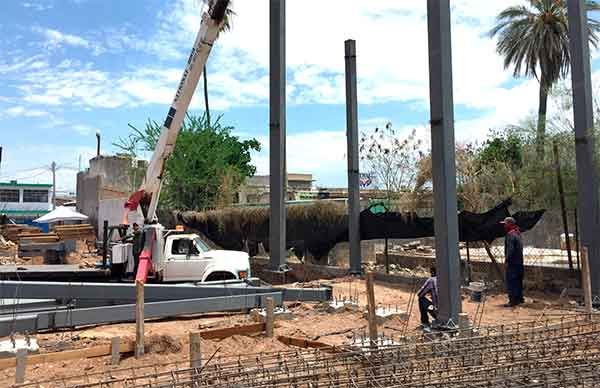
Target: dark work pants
<point>424,304</point>
<point>514,283</point>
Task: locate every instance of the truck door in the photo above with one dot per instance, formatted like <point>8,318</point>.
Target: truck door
<point>184,261</point>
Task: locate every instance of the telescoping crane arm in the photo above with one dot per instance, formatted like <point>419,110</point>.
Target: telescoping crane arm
<point>149,192</point>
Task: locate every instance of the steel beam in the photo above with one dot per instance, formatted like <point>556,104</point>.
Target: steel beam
<point>126,313</point>
<point>353,166</point>
<point>277,129</point>
<point>583,118</point>
<point>121,293</point>
<point>443,163</point>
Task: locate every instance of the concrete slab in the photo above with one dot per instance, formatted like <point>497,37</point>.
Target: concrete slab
<point>9,349</point>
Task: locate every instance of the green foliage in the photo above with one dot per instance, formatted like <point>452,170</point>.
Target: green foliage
<point>206,158</point>
<point>504,147</point>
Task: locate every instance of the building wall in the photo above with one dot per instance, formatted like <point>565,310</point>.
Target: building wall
<point>27,206</point>
<point>110,178</point>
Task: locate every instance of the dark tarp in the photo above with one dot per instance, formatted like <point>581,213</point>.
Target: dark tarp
<point>317,228</point>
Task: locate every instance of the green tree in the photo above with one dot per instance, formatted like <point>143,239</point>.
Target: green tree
<point>206,159</point>
<point>534,39</point>
<point>226,26</point>
<point>505,147</point>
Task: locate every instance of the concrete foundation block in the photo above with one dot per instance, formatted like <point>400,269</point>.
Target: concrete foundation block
<point>384,314</point>
<point>279,313</point>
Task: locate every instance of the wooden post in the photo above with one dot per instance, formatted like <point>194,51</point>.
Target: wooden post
<point>195,351</point>
<point>115,351</point>
<point>387,257</point>
<point>21,366</point>
<point>563,206</point>
<point>269,321</point>
<point>371,309</point>
<point>139,319</point>
<point>585,280</point>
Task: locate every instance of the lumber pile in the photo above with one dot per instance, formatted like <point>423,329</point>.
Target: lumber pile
<point>12,231</point>
<point>37,238</point>
<point>84,232</point>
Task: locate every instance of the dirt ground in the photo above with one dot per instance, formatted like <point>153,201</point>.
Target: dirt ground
<point>167,339</point>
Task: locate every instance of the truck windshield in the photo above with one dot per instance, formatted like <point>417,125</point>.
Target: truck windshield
<point>200,245</point>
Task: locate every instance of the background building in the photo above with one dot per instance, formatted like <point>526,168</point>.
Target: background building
<point>256,189</point>
<point>24,202</point>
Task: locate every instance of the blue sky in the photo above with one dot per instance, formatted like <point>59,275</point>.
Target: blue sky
<point>69,68</point>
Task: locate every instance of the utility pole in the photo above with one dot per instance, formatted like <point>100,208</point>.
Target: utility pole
<point>53,185</point>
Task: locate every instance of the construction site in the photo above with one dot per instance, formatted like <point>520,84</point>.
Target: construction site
<point>116,291</point>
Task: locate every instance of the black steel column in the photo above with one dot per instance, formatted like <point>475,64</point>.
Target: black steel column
<point>583,113</point>
<point>277,179</point>
<point>443,163</point>
<point>353,167</point>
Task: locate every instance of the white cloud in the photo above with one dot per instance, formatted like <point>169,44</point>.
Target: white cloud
<point>37,6</point>
<point>20,111</point>
<point>55,38</point>
<point>327,161</point>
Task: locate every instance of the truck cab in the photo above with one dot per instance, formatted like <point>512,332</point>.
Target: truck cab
<point>187,258</point>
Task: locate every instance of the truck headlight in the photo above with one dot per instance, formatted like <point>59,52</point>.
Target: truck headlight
<point>243,274</point>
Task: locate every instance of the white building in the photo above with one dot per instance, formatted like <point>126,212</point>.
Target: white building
<point>24,202</point>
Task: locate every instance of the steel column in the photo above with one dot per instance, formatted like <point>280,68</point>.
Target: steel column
<point>583,115</point>
<point>353,166</point>
<point>277,177</point>
<point>443,163</point>
<point>126,313</point>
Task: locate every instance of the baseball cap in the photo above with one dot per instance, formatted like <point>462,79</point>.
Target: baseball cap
<point>508,220</point>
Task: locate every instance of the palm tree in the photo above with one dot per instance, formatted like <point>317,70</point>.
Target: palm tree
<point>226,26</point>
<point>534,39</point>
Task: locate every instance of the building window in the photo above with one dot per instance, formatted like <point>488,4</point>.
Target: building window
<point>7,195</point>
<point>35,196</point>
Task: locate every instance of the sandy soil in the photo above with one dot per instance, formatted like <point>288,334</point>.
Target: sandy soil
<point>169,345</point>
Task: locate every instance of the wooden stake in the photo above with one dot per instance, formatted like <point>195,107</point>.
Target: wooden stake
<point>21,366</point>
<point>139,319</point>
<point>371,309</point>
<point>115,351</point>
<point>195,351</point>
<point>269,321</point>
<point>585,280</point>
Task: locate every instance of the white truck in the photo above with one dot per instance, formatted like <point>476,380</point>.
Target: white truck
<point>184,257</point>
<point>169,255</point>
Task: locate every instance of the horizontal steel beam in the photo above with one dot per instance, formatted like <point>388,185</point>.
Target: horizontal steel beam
<point>126,313</point>
<point>121,293</point>
<point>319,294</point>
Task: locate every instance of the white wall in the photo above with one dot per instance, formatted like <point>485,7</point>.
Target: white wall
<point>113,211</point>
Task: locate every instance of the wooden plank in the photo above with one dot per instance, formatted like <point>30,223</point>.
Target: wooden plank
<point>304,343</point>
<point>139,319</point>
<point>195,351</point>
<point>233,330</point>
<point>269,319</point>
<point>586,281</point>
<point>371,308</point>
<point>96,351</point>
